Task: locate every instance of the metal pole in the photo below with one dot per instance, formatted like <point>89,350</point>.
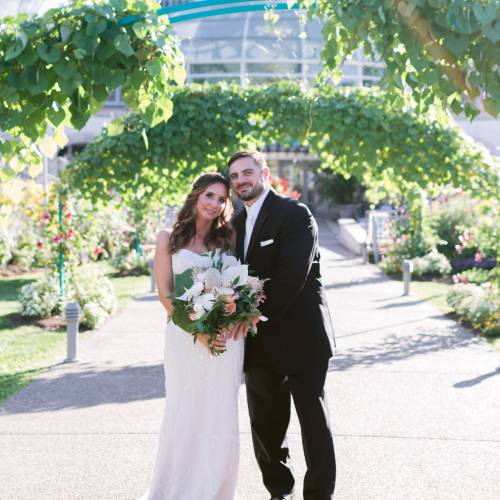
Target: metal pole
<point>60,260</point>
<point>72,316</point>
<point>407,270</point>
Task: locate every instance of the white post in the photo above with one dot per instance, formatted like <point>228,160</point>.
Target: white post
<point>153,278</point>
<point>376,256</point>
<point>407,270</point>
<point>72,316</point>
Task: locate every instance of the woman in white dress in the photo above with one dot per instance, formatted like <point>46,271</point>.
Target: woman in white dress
<point>198,451</point>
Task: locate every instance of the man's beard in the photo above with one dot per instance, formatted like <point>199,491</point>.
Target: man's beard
<point>252,193</point>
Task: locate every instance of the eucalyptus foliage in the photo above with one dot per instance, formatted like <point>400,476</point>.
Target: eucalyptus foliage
<point>353,131</point>
<point>445,51</point>
<point>59,68</point>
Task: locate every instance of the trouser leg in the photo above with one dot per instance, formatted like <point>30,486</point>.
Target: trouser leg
<point>268,398</point>
<point>307,390</point>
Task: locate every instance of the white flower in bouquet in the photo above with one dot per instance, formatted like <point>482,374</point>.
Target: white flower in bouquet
<point>213,278</point>
<point>229,261</point>
<point>236,275</point>
<point>204,302</point>
<point>193,292</point>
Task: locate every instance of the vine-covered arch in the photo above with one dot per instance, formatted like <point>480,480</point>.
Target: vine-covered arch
<point>355,131</point>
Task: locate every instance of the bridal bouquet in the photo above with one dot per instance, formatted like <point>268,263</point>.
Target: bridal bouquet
<point>210,298</point>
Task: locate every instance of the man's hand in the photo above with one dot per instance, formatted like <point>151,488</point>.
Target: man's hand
<point>242,329</point>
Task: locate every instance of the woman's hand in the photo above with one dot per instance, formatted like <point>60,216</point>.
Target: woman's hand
<point>218,345</point>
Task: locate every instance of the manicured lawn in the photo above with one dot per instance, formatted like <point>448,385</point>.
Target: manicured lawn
<point>27,349</point>
<point>433,292</point>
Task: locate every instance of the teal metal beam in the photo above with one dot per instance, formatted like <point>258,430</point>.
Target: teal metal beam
<point>189,6</point>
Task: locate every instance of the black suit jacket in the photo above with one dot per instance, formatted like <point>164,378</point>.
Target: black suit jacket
<point>299,332</point>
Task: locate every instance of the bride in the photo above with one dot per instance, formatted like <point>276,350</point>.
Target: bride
<point>198,451</point>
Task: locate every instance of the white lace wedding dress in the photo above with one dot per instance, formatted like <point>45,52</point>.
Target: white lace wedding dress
<point>198,451</point>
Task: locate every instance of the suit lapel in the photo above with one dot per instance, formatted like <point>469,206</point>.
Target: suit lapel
<point>259,223</point>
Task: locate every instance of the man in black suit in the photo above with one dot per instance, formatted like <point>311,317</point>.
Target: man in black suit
<point>278,239</point>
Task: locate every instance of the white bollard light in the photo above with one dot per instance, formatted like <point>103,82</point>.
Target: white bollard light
<point>72,316</point>
<point>153,277</point>
<point>407,270</point>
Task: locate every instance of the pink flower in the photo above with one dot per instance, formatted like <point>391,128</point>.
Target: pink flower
<point>58,238</point>
<point>478,257</point>
<point>230,308</point>
<point>459,248</point>
<point>465,237</point>
<point>68,216</point>
<point>404,237</point>
<point>45,217</point>
<point>39,244</point>
<point>193,316</point>
<point>96,251</point>
<point>69,234</point>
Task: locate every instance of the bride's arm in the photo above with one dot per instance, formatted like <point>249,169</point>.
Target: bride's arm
<point>163,270</point>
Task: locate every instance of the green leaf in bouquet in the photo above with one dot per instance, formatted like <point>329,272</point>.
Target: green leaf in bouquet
<point>182,282</point>
<point>180,316</point>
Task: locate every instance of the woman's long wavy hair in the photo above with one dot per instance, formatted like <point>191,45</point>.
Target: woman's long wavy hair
<point>184,229</point>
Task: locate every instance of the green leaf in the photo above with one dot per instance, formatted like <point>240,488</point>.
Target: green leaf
<point>79,53</point>
<point>66,30</point>
<point>145,138</point>
<point>122,44</point>
<point>48,146</point>
<point>183,282</point>
<point>492,31</point>
<point>14,50</point>
<point>60,137</point>
<point>140,29</point>
<point>180,317</point>
<point>136,78</point>
<point>48,55</point>
<point>56,116</point>
<point>35,169</point>
<point>115,127</point>
<point>27,57</point>
<point>492,106</point>
<point>179,75</point>
<point>485,13</point>
<point>154,67</point>
<point>66,69</point>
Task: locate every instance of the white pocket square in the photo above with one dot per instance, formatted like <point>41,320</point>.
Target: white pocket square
<point>265,243</point>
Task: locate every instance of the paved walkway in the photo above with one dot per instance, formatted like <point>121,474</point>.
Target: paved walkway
<point>414,401</point>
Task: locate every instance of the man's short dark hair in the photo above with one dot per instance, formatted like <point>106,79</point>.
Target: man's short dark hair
<point>256,156</point>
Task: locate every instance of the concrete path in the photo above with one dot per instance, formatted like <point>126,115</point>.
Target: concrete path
<point>414,400</point>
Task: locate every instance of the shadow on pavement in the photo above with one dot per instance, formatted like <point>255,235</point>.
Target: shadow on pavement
<point>89,387</point>
<point>476,380</point>
<point>393,348</point>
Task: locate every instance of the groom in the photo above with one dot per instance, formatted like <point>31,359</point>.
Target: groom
<point>278,238</point>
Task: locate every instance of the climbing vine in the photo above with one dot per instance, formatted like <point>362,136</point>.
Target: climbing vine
<point>59,68</point>
<point>354,131</point>
<point>443,51</point>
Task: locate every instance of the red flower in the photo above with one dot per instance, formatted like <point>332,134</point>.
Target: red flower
<point>39,244</point>
<point>58,238</point>
<point>96,251</point>
<point>45,217</point>
<point>68,216</point>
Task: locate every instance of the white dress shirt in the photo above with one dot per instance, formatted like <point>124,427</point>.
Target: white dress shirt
<point>252,214</point>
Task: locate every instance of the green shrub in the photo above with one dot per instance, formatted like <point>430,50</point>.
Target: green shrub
<point>41,298</point>
<point>431,264</point>
<point>129,261</point>
<point>92,291</point>
<point>478,276</point>
<point>478,306</point>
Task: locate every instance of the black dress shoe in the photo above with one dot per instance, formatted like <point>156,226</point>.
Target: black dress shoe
<point>282,497</point>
